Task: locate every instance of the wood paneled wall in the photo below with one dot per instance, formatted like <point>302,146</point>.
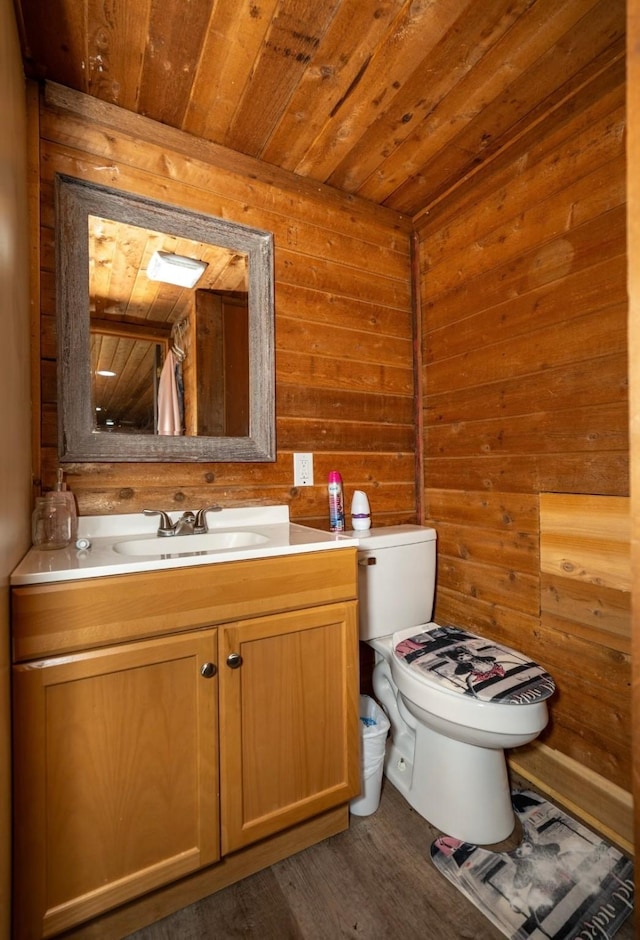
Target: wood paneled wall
<point>344,322</point>
<point>15,261</point>
<point>523,287</point>
<point>633,247</point>
<point>524,365</point>
<point>585,549</point>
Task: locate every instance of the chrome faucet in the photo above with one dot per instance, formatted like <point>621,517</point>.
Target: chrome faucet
<point>187,524</point>
<point>200,525</point>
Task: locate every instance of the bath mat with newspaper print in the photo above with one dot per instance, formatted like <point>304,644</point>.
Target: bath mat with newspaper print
<point>562,881</point>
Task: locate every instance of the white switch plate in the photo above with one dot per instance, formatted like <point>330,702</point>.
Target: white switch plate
<point>303,469</point>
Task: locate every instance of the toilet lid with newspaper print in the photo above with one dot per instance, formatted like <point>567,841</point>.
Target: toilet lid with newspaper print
<point>466,663</point>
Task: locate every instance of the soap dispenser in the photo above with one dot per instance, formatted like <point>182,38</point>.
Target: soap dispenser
<point>51,522</point>
<point>66,496</point>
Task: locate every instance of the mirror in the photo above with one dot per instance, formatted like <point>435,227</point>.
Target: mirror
<point>155,371</point>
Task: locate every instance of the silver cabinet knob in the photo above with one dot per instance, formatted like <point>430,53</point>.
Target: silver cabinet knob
<point>208,670</point>
<point>234,660</point>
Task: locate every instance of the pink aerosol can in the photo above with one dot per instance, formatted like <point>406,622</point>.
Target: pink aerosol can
<point>336,502</point>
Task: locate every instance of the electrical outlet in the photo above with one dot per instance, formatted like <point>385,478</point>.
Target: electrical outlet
<point>303,469</point>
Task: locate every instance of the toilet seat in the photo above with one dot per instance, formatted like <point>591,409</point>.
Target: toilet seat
<point>462,662</point>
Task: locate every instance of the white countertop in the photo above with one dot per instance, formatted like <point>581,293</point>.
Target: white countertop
<point>272,522</point>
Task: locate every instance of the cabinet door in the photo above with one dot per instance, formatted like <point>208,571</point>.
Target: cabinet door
<point>116,777</point>
<point>289,745</point>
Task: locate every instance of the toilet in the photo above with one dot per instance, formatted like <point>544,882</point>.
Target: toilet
<point>454,700</point>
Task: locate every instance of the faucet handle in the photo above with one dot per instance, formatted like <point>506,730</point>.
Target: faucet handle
<point>166,525</point>
<point>200,526</point>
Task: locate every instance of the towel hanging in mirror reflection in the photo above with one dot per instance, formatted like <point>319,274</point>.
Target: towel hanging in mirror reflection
<point>169,410</point>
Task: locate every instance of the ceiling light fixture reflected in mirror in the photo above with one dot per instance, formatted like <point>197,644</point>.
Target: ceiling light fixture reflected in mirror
<point>175,269</point>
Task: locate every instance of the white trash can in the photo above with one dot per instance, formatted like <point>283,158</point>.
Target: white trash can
<point>374,726</point>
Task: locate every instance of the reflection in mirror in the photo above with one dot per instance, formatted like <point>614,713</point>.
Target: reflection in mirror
<point>137,317</point>
<point>125,383</point>
<point>175,372</point>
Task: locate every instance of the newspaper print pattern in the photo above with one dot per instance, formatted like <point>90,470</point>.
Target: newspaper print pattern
<point>475,666</point>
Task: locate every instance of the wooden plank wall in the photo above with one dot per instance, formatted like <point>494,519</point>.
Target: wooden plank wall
<point>633,236</point>
<point>344,324</point>
<point>585,563</point>
<point>523,287</point>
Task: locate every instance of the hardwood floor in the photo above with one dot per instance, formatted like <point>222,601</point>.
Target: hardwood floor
<point>373,882</point>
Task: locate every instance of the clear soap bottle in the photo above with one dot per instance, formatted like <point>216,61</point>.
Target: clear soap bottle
<point>66,495</point>
<point>51,522</point>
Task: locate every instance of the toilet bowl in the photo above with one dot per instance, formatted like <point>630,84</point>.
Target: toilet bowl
<point>454,699</point>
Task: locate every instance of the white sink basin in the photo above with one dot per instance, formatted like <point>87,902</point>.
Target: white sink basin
<point>124,543</point>
<point>186,544</point>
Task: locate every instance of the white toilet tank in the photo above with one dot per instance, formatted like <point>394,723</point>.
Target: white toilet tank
<point>396,578</point>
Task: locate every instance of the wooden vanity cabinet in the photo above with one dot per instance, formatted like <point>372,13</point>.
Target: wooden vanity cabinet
<point>116,770</point>
<point>289,744</point>
<point>141,762</point>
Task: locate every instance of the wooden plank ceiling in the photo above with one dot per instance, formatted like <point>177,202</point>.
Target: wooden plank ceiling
<point>392,100</point>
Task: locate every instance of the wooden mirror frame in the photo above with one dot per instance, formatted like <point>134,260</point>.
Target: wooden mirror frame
<point>78,438</point>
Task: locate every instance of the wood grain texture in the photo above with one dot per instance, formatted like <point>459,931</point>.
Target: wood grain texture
<point>120,922</point>
<point>290,747</point>
<point>56,618</point>
<point>150,759</point>
<point>337,889</point>
<point>585,620</point>
<point>524,319</point>
<point>601,614</point>
<point>343,315</point>
<point>109,729</point>
<point>633,229</point>
<point>517,187</point>
<point>82,436</point>
<point>586,537</point>
<point>395,101</point>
